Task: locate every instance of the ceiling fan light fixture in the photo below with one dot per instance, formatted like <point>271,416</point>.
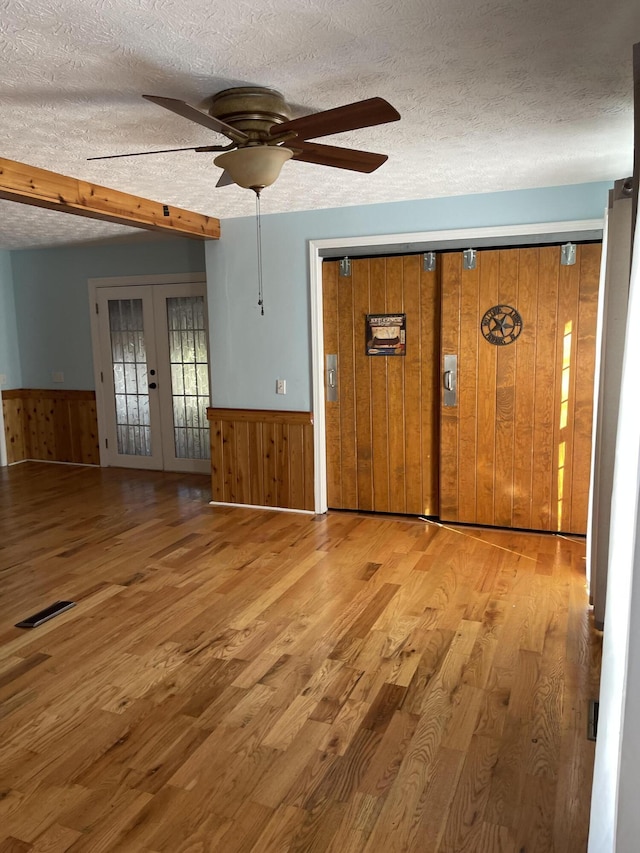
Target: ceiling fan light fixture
<point>254,167</point>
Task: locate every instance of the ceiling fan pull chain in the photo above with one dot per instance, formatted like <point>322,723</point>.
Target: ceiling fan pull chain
<point>259,239</point>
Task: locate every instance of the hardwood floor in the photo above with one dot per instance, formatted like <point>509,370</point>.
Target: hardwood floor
<point>250,682</point>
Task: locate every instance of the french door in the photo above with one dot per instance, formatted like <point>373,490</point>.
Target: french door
<point>155,376</point>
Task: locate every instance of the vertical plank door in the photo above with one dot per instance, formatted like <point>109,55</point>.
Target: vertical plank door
<point>382,432</point>
<point>516,447</point>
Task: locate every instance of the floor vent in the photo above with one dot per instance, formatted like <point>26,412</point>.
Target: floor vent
<point>46,614</point>
<point>592,726</point>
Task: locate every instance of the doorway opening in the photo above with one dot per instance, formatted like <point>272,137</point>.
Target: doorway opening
<point>531,234</point>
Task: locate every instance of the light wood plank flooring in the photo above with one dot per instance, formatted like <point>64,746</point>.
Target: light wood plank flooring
<point>258,682</point>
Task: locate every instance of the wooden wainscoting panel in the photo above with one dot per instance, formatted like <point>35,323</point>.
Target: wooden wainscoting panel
<point>262,457</point>
<point>12,410</point>
<point>53,425</point>
<point>269,463</point>
<point>83,418</point>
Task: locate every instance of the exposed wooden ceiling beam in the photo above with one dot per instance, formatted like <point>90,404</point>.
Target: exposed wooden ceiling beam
<point>39,187</point>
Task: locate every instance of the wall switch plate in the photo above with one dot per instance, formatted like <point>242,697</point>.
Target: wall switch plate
<point>57,376</point>
<point>281,386</point>
<point>3,378</point>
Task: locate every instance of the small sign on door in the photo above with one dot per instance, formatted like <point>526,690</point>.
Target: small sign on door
<point>385,334</point>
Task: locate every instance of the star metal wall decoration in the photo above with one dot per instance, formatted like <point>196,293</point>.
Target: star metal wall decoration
<point>501,325</point>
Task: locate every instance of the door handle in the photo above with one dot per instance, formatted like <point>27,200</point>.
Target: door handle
<point>332,378</point>
<point>450,380</point>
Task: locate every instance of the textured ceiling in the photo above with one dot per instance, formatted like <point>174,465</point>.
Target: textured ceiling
<point>494,95</point>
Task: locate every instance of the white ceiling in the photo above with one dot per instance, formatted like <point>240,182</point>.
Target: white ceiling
<point>494,95</point>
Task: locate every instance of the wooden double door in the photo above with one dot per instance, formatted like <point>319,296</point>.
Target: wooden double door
<point>500,434</point>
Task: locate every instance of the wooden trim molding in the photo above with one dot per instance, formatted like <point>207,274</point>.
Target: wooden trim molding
<point>262,457</point>
<point>45,393</point>
<point>53,425</point>
<point>270,416</point>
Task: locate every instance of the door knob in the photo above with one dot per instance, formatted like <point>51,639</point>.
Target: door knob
<point>152,385</point>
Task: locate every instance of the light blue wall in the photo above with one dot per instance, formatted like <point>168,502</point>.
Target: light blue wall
<point>249,352</point>
<point>52,301</point>
<point>9,355</point>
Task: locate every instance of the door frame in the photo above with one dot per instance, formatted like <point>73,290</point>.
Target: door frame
<point>420,241</point>
<point>94,285</point>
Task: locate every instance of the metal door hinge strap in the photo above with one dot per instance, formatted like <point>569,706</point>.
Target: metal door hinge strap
<point>568,255</point>
<point>469,259</point>
<point>429,262</point>
<point>345,267</point>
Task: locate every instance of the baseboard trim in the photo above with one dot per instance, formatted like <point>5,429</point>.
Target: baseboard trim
<point>257,506</point>
<point>55,462</point>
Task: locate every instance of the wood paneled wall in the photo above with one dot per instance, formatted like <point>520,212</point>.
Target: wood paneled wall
<point>262,457</point>
<point>57,426</point>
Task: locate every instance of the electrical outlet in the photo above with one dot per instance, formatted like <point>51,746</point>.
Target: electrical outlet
<point>57,376</point>
<point>281,386</point>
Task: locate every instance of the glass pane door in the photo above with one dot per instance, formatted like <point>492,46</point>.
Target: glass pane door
<point>181,326</point>
<point>129,362</point>
<point>127,340</point>
<point>155,375</point>
<point>188,356</point>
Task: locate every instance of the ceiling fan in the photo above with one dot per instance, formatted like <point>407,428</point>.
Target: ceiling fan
<point>263,135</point>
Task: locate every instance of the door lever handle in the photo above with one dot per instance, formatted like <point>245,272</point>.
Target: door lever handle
<point>448,380</point>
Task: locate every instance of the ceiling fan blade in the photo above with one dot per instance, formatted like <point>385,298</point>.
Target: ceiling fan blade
<point>225,180</point>
<point>183,109</point>
<point>339,158</point>
<point>350,117</point>
<point>198,148</point>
